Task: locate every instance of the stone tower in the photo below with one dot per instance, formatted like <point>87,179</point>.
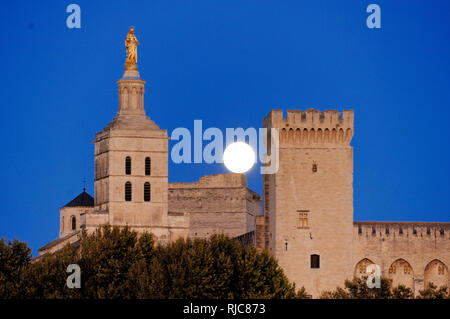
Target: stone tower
<point>131,161</point>
<point>308,202</point>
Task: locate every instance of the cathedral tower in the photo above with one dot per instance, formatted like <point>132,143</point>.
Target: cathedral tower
<point>131,159</point>
<point>308,202</point>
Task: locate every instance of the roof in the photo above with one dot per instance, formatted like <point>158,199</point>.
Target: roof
<point>82,200</point>
<point>57,241</point>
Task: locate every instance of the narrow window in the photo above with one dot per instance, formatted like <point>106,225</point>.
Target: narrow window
<point>374,232</point>
<point>362,269</point>
<point>400,231</point>
<point>128,165</point>
<point>428,231</point>
<point>147,192</point>
<point>359,229</point>
<point>128,191</point>
<point>147,166</point>
<point>315,261</point>
<point>303,220</point>
<point>414,231</point>
<point>387,230</point>
<point>441,232</point>
<point>74,223</point>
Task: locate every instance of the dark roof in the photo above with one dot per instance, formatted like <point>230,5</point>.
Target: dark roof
<point>83,200</point>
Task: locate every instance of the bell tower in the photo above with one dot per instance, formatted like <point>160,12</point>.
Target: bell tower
<point>131,159</point>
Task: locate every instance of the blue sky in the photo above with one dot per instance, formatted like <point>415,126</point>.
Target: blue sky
<point>227,63</point>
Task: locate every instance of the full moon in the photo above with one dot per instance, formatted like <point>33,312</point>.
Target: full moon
<point>239,157</point>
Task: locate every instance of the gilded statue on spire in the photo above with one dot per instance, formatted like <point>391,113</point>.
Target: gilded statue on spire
<point>131,44</point>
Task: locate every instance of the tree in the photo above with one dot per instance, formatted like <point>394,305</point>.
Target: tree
<point>432,292</point>
<point>47,277</point>
<point>358,289</point>
<point>15,256</point>
<point>402,292</point>
<point>119,263</point>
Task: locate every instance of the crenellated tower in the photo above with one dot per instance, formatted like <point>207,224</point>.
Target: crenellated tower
<point>308,202</point>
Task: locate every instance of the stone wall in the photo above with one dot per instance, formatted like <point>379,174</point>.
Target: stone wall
<point>216,204</point>
<point>310,198</point>
<point>65,221</point>
<point>412,254</point>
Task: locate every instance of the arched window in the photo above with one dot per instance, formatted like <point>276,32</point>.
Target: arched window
<point>401,273</point>
<point>147,192</point>
<point>147,166</point>
<point>315,261</point>
<point>74,222</point>
<point>128,165</point>
<point>128,191</point>
<point>361,268</point>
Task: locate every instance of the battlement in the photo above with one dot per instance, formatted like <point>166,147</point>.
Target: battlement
<point>312,126</point>
<point>391,230</point>
<point>310,119</point>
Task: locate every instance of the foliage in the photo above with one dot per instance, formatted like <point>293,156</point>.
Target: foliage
<point>117,263</point>
<point>432,292</point>
<point>402,292</point>
<point>358,289</point>
<point>14,257</point>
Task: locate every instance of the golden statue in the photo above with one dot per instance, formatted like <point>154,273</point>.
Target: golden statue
<point>131,44</point>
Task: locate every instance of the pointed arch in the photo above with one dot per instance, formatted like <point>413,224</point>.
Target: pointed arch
<point>401,273</point>
<point>436,272</point>
<point>361,267</point>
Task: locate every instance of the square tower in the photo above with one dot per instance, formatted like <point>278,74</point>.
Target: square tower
<point>308,202</point>
<point>131,164</point>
